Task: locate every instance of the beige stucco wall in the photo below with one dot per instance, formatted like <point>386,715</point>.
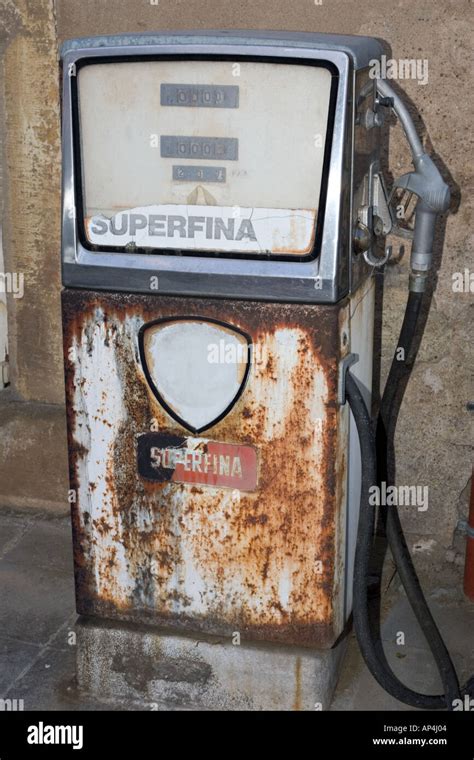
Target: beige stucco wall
<point>32,200</point>
<point>434,432</point>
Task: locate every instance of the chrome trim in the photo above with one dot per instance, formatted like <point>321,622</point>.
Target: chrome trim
<point>211,276</point>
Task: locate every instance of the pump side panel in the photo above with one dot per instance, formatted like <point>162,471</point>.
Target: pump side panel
<point>361,327</point>
<point>267,562</point>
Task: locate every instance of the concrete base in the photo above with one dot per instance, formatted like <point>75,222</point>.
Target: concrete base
<point>163,671</point>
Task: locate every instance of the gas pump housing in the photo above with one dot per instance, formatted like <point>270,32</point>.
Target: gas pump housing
<point>214,469</point>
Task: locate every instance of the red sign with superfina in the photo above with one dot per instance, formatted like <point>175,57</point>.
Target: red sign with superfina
<point>164,457</point>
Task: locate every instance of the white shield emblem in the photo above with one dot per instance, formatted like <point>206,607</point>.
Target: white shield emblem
<point>196,368</point>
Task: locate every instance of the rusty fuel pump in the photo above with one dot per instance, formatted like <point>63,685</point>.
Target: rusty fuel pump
<point>223,206</point>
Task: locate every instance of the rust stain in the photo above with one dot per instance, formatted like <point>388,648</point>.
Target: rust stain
<point>196,558</point>
<point>294,247</point>
<point>297,700</point>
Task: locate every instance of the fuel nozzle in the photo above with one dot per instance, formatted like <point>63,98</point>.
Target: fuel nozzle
<point>433,199</point>
<point>428,185</point>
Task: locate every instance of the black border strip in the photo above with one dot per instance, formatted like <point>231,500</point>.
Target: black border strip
<point>159,397</point>
<point>204,57</point>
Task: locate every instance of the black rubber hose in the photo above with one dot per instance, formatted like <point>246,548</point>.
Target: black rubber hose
<point>401,367</point>
<point>377,666</point>
<point>398,377</point>
<point>395,386</point>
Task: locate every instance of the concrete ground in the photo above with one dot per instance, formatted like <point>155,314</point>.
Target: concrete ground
<point>38,634</point>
